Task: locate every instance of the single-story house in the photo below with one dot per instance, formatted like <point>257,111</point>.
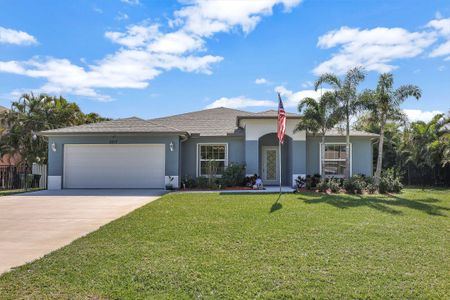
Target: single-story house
<point>137,153</point>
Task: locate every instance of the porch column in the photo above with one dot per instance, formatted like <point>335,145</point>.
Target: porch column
<point>298,159</point>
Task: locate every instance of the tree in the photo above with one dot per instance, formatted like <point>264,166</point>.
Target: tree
<point>384,105</point>
<point>30,115</point>
<point>392,149</point>
<point>318,116</point>
<point>346,94</point>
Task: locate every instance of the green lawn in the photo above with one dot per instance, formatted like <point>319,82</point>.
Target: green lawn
<point>248,246</point>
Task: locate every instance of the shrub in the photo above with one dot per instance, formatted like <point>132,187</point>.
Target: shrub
<point>300,182</point>
<point>371,188</point>
<point>188,182</point>
<point>308,182</point>
<point>390,182</point>
<point>233,175</point>
<point>202,182</point>
<point>315,180</point>
<point>334,185</point>
<point>323,185</point>
<point>355,184</point>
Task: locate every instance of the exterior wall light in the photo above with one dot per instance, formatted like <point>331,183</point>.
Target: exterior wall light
<point>53,147</point>
<point>171,146</point>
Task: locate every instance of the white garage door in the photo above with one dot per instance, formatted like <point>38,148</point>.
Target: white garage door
<point>114,166</point>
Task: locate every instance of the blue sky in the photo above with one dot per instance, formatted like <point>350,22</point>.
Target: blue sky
<point>153,58</point>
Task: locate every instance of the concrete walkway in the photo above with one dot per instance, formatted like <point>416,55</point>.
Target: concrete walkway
<point>267,189</point>
<point>34,224</point>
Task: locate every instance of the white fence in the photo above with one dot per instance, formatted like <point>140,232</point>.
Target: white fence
<point>41,170</point>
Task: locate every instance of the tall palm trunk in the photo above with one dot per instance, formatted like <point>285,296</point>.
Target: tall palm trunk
<point>380,152</point>
<point>347,148</point>
<point>322,156</point>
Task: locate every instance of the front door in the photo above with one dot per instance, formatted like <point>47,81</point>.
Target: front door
<point>270,167</point>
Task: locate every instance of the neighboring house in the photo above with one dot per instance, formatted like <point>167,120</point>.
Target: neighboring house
<point>135,153</point>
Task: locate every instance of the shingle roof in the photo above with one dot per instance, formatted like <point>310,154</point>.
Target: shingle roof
<point>209,122</point>
<point>127,125</point>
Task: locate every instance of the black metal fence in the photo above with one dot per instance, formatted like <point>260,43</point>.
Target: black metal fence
<point>12,177</point>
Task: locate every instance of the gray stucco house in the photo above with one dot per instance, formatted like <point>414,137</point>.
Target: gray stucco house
<point>137,153</point>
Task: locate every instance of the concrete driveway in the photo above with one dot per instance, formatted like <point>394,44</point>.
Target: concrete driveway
<point>34,224</point>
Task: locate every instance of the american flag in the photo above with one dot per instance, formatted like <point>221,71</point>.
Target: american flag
<point>281,120</point>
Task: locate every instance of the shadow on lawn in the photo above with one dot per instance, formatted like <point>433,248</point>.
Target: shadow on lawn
<point>276,205</point>
<point>381,203</point>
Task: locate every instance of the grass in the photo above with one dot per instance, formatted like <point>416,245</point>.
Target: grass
<point>17,191</point>
<point>253,246</point>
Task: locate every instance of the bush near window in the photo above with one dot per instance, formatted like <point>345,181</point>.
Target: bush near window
<point>312,181</point>
<point>334,185</point>
<point>390,182</point>
<point>188,182</point>
<point>355,184</point>
<point>234,175</point>
<point>202,182</point>
<point>323,186</point>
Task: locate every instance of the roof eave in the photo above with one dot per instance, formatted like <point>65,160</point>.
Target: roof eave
<point>180,133</point>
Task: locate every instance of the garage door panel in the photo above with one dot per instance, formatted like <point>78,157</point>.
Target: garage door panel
<point>114,166</point>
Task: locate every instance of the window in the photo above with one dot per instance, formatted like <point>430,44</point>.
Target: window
<point>212,159</point>
<point>333,159</point>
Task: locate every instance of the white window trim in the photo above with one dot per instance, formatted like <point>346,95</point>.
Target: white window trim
<point>331,143</point>
<point>197,161</point>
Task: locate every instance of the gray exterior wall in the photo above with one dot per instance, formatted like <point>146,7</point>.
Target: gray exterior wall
<point>361,154</point>
<point>298,157</point>
<point>56,159</point>
<point>251,157</point>
<point>302,157</point>
<point>236,152</point>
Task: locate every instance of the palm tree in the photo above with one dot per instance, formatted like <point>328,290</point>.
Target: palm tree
<point>346,94</point>
<point>384,105</point>
<point>318,116</point>
<point>32,114</point>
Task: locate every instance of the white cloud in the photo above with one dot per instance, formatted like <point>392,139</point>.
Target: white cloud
<point>292,99</point>
<point>147,50</point>
<point>442,26</point>
<point>240,102</point>
<point>177,42</point>
<point>261,81</point>
<point>135,36</point>
<point>420,115</point>
<point>374,49</point>
<point>97,9</point>
<point>205,18</point>
<point>121,17</point>
<point>11,36</point>
<point>131,2</point>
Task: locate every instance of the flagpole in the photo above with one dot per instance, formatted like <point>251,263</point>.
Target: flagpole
<point>279,147</point>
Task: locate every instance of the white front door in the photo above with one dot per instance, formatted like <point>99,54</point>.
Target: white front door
<point>270,165</point>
